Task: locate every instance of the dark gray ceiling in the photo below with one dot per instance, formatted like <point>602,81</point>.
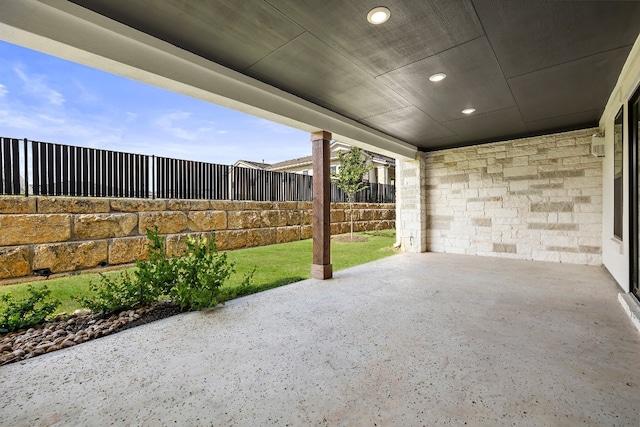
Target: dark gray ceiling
<point>526,67</point>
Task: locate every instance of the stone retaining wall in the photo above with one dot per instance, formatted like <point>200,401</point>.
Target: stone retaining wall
<point>67,233</point>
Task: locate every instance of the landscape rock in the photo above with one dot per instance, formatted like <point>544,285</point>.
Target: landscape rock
<point>288,234</point>
<point>26,229</point>
<point>17,205</point>
<point>237,220</point>
<point>137,205</point>
<point>69,256</point>
<point>168,222</point>
<point>127,249</point>
<point>188,205</point>
<point>72,205</point>
<point>102,226</point>
<point>14,262</point>
<point>207,220</point>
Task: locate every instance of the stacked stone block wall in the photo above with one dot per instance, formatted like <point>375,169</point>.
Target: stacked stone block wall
<point>536,198</point>
<point>67,234</point>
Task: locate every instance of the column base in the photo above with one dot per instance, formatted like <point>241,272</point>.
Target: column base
<point>321,272</point>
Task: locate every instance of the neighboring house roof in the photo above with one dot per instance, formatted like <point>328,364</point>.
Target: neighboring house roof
<point>308,160</point>
<point>253,165</point>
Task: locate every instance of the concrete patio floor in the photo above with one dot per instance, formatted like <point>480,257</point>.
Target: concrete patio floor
<point>415,339</point>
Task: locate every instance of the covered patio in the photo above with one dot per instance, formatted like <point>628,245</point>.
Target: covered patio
<point>415,339</point>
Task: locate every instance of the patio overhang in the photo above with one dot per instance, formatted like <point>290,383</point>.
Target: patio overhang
<point>68,31</point>
<point>528,70</point>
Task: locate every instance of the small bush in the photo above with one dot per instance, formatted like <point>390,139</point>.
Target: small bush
<point>27,312</point>
<point>192,281</point>
<point>157,272</point>
<point>200,274</point>
<point>113,294</point>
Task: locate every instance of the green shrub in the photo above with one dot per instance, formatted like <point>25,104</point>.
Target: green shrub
<point>192,281</point>
<point>157,272</point>
<point>122,292</point>
<point>201,271</point>
<point>27,312</point>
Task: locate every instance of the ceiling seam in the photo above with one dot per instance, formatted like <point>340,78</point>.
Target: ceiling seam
<point>430,56</point>
<point>484,30</point>
<point>570,61</point>
<point>304,30</point>
<point>564,115</point>
<point>276,50</point>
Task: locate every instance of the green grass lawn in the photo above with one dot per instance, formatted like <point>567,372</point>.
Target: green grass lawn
<point>275,265</point>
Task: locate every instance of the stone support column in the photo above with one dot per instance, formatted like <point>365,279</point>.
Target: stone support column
<point>411,210</point>
<point>321,268</point>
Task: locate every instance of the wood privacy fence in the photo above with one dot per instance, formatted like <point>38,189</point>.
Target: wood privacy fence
<point>65,170</point>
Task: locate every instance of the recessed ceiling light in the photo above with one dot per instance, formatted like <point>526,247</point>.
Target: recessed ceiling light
<point>468,110</point>
<point>378,15</point>
<point>438,77</point>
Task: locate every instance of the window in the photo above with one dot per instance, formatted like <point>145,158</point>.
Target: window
<point>617,176</point>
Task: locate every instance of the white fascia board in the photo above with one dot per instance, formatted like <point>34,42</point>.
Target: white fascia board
<point>69,31</point>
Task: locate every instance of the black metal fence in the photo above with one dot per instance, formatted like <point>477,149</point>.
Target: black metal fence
<point>10,165</point>
<point>65,170</point>
<point>186,179</point>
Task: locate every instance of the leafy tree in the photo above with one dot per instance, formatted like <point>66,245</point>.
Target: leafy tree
<point>353,165</point>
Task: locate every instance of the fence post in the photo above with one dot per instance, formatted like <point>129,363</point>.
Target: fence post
<point>153,176</point>
<point>231,182</point>
<point>26,170</point>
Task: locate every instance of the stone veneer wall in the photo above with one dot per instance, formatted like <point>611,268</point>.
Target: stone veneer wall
<point>68,234</point>
<point>536,198</point>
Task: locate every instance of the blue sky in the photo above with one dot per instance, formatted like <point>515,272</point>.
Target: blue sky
<point>45,98</point>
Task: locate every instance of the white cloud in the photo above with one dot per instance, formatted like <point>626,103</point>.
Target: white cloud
<point>167,123</point>
<point>3,90</point>
<point>36,86</point>
<point>84,94</point>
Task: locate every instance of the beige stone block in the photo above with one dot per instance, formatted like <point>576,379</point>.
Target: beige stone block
<point>244,219</point>
<point>305,205</point>
<point>72,205</point>
<point>167,222</point>
<point>60,257</point>
<point>261,237</point>
<point>287,234</point>
<point>306,217</point>
<point>102,226</point>
<point>273,218</point>
<point>306,232</point>
<point>207,220</point>
<point>259,206</point>
<point>17,205</point>
<point>231,239</point>
<point>26,229</point>
<point>138,205</point>
<point>175,244</point>
<point>579,150</point>
<point>552,207</point>
<point>188,205</point>
<point>285,206</point>
<point>127,249</point>
<point>293,217</point>
<point>14,262</point>
<point>337,216</point>
<point>520,171</point>
<point>227,205</point>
